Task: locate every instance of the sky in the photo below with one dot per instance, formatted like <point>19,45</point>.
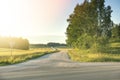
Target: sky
<point>41,21</point>
<point>116,10</point>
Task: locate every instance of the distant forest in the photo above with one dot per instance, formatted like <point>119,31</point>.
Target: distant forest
<point>13,42</point>
<point>50,44</point>
<point>20,43</point>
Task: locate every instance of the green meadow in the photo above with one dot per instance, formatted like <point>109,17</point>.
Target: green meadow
<point>112,54</point>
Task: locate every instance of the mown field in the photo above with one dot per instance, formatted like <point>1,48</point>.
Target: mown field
<point>112,54</point>
<point>17,56</point>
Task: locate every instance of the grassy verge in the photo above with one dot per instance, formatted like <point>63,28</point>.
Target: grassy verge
<point>110,55</point>
<point>6,59</point>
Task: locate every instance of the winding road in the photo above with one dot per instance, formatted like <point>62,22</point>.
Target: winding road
<point>58,66</point>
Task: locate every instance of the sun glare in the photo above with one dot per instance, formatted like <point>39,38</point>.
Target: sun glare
<point>13,31</point>
<point>8,31</point>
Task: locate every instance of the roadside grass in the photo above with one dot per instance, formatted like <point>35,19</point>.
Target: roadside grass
<point>19,56</point>
<point>110,55</point>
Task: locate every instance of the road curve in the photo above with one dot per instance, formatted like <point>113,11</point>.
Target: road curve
<point>58,66</point>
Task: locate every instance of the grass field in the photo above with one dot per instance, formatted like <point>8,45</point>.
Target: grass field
<point>110,55</point>
<point>18,56</point>
<point>7,52</point>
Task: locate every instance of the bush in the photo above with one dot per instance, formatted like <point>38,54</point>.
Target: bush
<point>100,44</point>
<point>84,42</point>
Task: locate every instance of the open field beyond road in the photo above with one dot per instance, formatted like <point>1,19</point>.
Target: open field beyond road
<point>57,66</point>
<point>7,52</point>
<point>8,57</point>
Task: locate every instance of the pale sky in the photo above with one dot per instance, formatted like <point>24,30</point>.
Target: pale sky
<point>40,21</point>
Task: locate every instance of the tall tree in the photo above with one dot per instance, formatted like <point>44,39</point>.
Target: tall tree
<point>89,18</point>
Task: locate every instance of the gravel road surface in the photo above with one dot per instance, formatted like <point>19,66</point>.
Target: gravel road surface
<point>58,66</point>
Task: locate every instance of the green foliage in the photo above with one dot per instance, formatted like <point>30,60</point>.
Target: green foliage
<point>89,25</point>
<point>84,42</point>
<point>116,33</point>
<point>102,44</point>
<point>13,42</point>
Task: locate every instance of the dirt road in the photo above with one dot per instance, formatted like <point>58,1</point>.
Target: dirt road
<point>58,66</point>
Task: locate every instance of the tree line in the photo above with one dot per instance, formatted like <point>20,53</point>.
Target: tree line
<point>50,44</point>
<point>90,25</point>
<point>13,42</point>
